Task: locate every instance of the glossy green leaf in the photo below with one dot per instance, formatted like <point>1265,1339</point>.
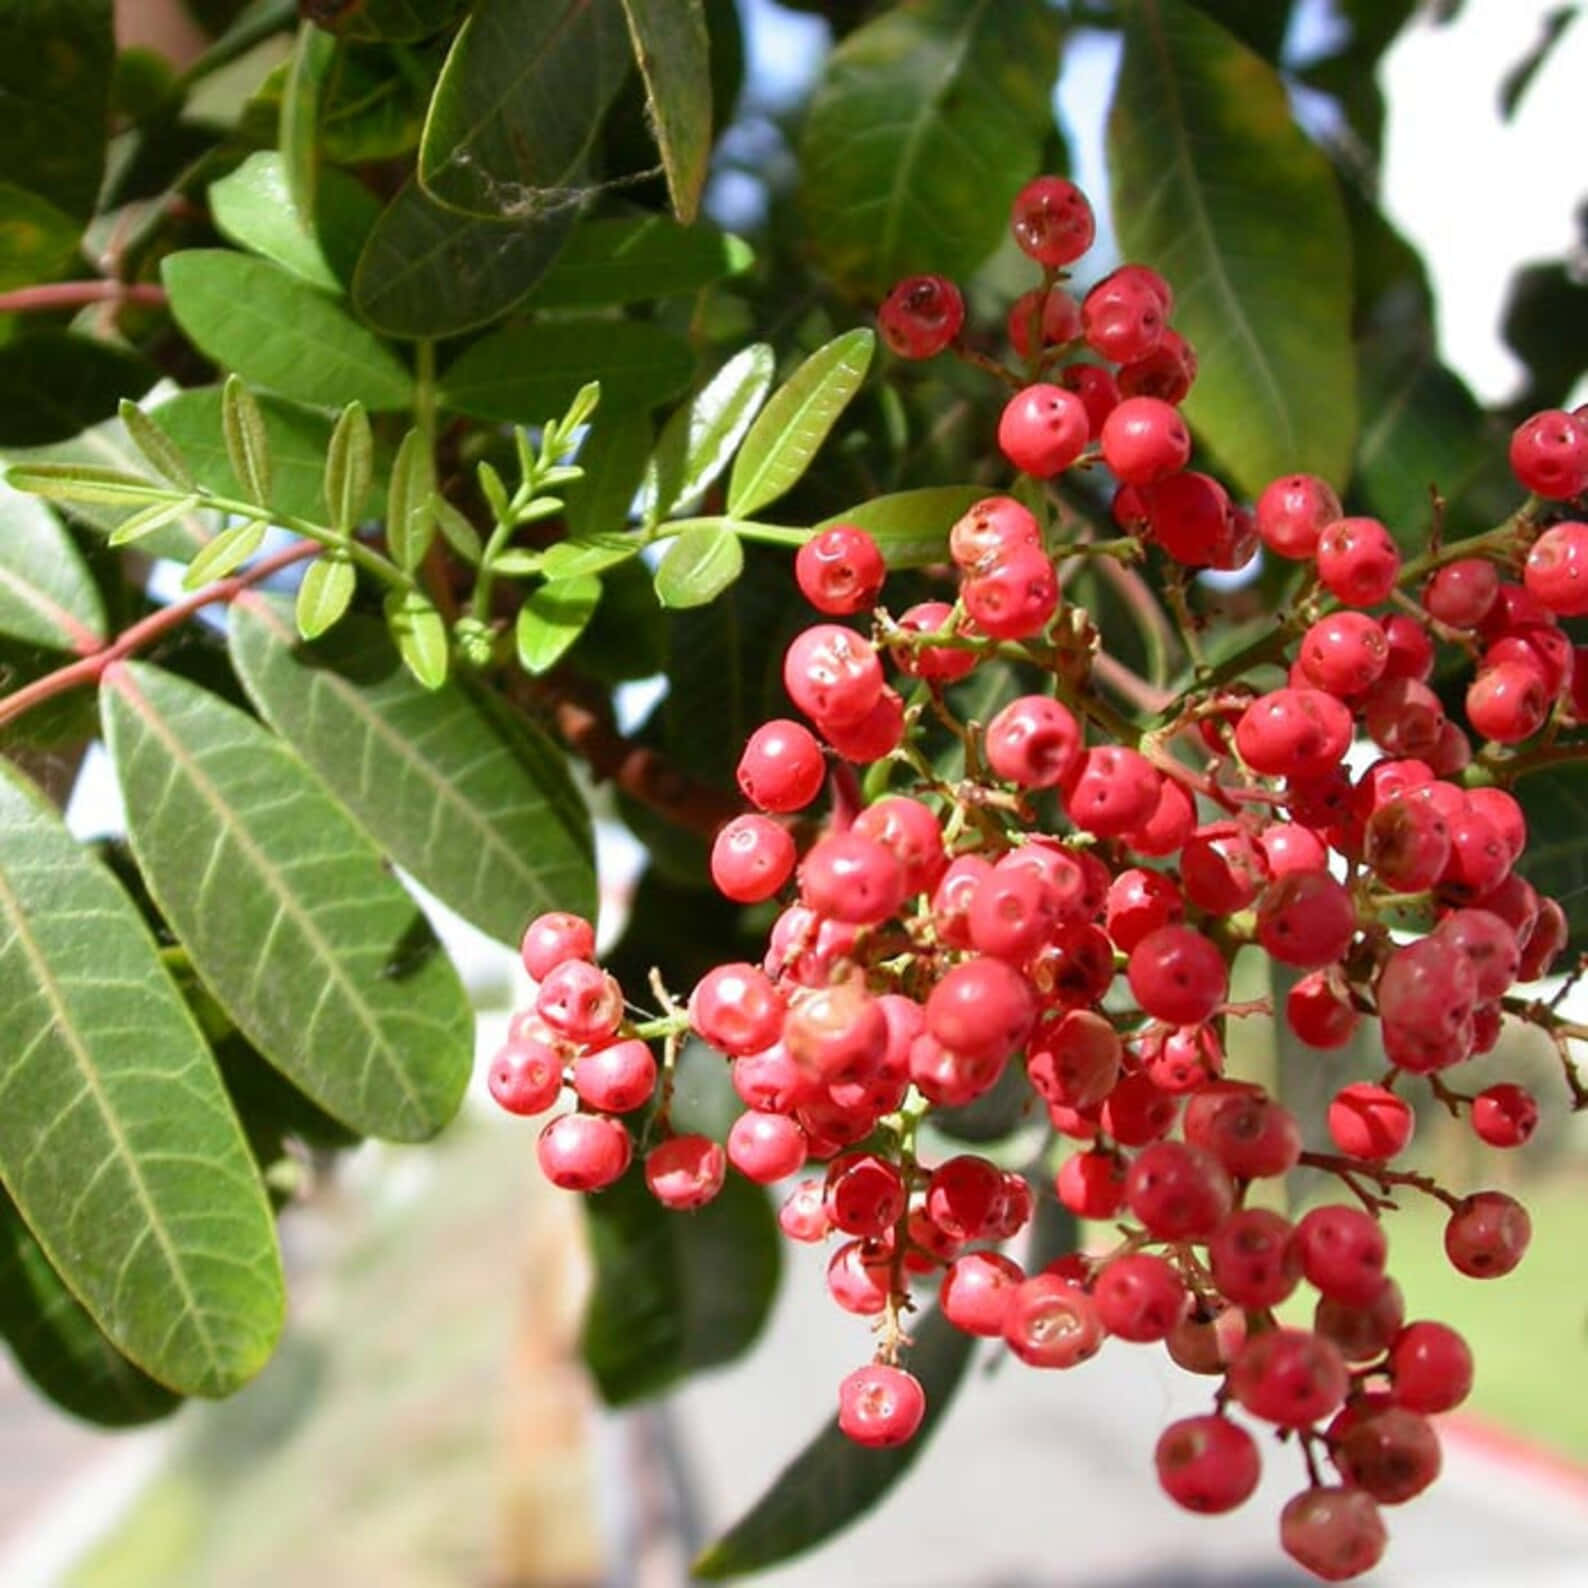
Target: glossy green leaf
<point>349,467</point>
<point>526,373</point>
<point>699,565</point>
<point>375,110</point>
<point>225,554</point>
<point>277,332</point>
<point>47,595</point>
<point>54,384</point>
<point>911,527</point>
<point>410,523</point>
<point>925,124</point>
<point>798,419</point>
<point>56,59</point>
<point>325,594</point>
<point>833,1481</point>
<point>519,102</point>
<point>1555,861</point>
<point>573,559</point>
<point>612,457</point>
<point>307,76</point>
<point>427,271</point>
<point>117,1143</point>
<point>478,807</point>
<point>675,1292</point>
<point>247,441</point>
<point>58,1345</point>
<point>1214,185</point>
<point>671,45</point>
<point>159,450</point>
<point>635,260</point>
<point>700,438</point>
<point>457,531</point>
<point>291,917</point>
<point>37,240</point>
<point>420,634</point>
<point>552,618</point>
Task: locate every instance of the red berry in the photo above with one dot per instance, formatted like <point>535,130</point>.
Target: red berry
<point>1290,1377</point>
<point>1358,561</point>
<point>1014,595</point>
<point>1123,316</point>
<point>1173,819</point>
<point>1246,1130</point>
<point>989,530</point>
<point>1488,1235</point>
<point>1052,221</point>
<point>976,1291</point>
<point>1177,975</point>
<point>1189,516</point>
<point>1342,1251</point>
<point>736,1009</point>
<point>1307,920</point>
<point>1549,455</point>
<point>1295,733</point>
<point>876,736</point>
<point>859,1274</point>
<point>1145,440</point>
<point>583,1152</point>
<point>1013,914</point>
<point>880,1406</point>
<point>551,939</point>
<point>1034,741</point>
<point>1392,1454</point>
<point>766,1147</point>
<point>1557,566</point>
<point>1051,1323</point>
<point>782,767</point>
<point>1293,512</point>
<point>1137,1112</point>
<point>1504,1115</point>
<point>1091,1185</point>
<point>751,858</point>
<point>1054,316</point>
<point>1139,1297</point>
<point>1203,1344</point>
<point>1371,1122</point>
<point>941,663</point>
<point>911,833</point>
<point>1252,1259</point>
<point>771,1081</point>
<point>1098,391</point>
<point>580,1001</point>
<point>616,1079</point>
<point>1344,653</point>
<point>803,1216</point>
<point>1222,868</point>
<point>1335,1533</point>
<point>1462,593</point>
<point>1320,1011</point>
<point>963,1195</point>
<point>832,674</point>
<point>1430,1368</point>
<point>1179,1192</point>
<point>836,1034</point>
<point>1507,702</point>
<point>1168,372</point>
<point>982,1008</point>
<point>1403,717</point>
<point>1043,430</point>
<point>1140,901</point>
<point>840,570</point>
<point>921,316</point>
<point>1207,1464</point>
<point>851,878</point>
<point>1111,791</point>
<point>1362,1333</point>
<point>685,1171</point>
<point>865,1194</point>
<point>1074,1058</point>
<point>525,1076</point>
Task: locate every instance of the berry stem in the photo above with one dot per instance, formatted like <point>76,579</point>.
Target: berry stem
<point>1351,1170</point>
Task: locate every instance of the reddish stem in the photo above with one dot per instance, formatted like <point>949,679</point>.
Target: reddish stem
<point>89,669</point>
<point>78,294</point>
<point>1351,1170</point>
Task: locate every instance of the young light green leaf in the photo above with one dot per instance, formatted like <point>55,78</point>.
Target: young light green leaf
<point>410,523</point>
<point>247,442</point>
<point>161,451</point>
<point>147,1202</point>
<point>280,333</point>
<point>516,563</point>
<point>324,596</point>
<point>47,595</point>
<point>911,527</point>
<point>699,439</point>
<point>471,800</point>
<point>699,565</point>
<point>494,489</point>
<point>457,531</point>
<point>568,559</point>
<point>833,1482</point>
<point>84,482</point>
<point>228,551</point>
<point>671,46</point>
<point>349,465</point>
<point>674,1295</point>
<point>155,516</point>
<point>1215,185</point>
<point>291,916</point>
<point>791,428</point>
<point>420,635</point>
<point>552,618</point>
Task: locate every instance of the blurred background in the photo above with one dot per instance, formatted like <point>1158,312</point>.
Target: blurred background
<point>426,1421</point>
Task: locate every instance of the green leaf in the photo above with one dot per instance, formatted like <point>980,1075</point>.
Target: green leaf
<point>911,527</point>
<point>37,241</point>
<point>253,207</point>
<point>57,1344</point>
<point>925,124</point>
<point>793,425</point>
<point>56,59</point>
<point>427,271</point>
<point>307,74</point>
<point>701,437</point>
<point>396,21</point>
<point>1555,861</point>
<point>54,384</point>
<point>151,519</point>
<point>519,102</point>
<point>247,441</point>
<point>1215,186</point>
<point>515,563</point>
<point>613,458</point>
<point>47,595</point>
<point>410,523</point>
<point>291,917</point>
<point>225,554</point>
<point>349,467</point>
<point>573,559</point>
<point>420,635</point>
<point>323,597</point>
<point>699,565</point>
<point>279,333</point>
<point>478,807</point>
<point>117,1143</point>
<point>675,1292</point>
<point>157,447</point>
<point>671,46</point>
<point>833,1481</point>
<point>522,374</point>
<point>552,618</point>
<point>84,482</point>
<point>635,260</point>
<point>457,531</point>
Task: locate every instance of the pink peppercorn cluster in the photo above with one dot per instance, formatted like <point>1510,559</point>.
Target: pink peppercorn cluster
<point>942,932</point>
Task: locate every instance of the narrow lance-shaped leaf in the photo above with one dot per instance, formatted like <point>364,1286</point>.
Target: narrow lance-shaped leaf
<point>1215,186</point>
<point>225,554</point>
<point>247,443</point>
<point>349,465</point>
<point>161,451</point>
<point>59,1346</point>
<point>117,1141</point>
<point>312,58</point>
<point>552,618</point>
<point>326,591</point>
<point>699,565</point>
<point>833,1481</point>
<point>699,439</point>
<point>47,595</point>
<point>791,428</point>
<point>153,518</point>
<point>671,46</point>
<point>410,523</point>
<point>289,914</point>
<point>478,807</point>
<point>420,633</point>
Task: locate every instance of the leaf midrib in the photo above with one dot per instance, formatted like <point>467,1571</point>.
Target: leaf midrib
<point>83,638</point>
